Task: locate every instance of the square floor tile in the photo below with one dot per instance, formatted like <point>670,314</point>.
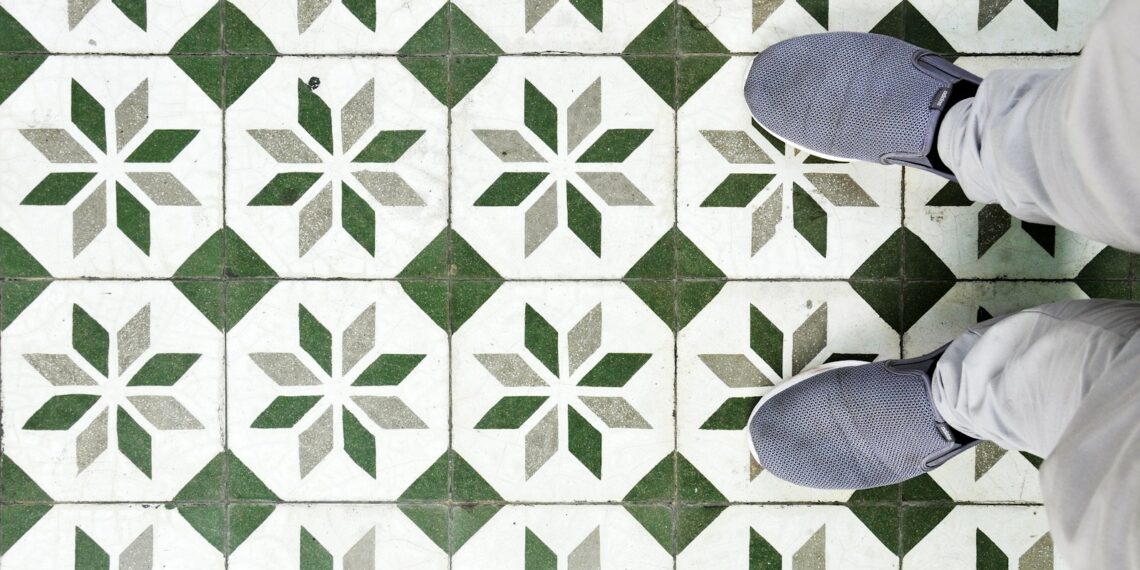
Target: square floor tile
<point>564,536</point>
<point>1017,26</point>
<point>978,537</point>
<point>752,25</point>
<point>338,536</point>
<point>338,391</point>
<point>121,166</point>
<point>745,341</point>
<point>781,537</point>
<point>982,240</point>
<point>112,391</point>
<point>337,167</point>
<point>523,26</point>
<point>990,474</point>
<point>340,26</point>
<point>91,26</point>
<point>760,208</point>
<point>114,536</point>
<point>563,391</point>
<point>562,167</point>
<point>967,303</point>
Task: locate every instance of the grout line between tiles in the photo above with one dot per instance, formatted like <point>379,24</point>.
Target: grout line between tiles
<point>3,491</point>
<point>902,333</point>
<point>675,508</point>
<point>684,279</point>
<point>663,55</point>
<point>225,315</point>
<point>663,503</point>
<point>450,311</point>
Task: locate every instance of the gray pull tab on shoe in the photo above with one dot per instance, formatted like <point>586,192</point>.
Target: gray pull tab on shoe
<point>854,426</point>
<point>940,98</point>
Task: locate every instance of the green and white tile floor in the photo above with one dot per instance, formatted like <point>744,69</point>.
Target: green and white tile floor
<point>476,284</point>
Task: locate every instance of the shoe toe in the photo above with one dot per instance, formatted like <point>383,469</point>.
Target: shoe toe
<point>796,437</point>
<point>848,428</point>
<point>843,94</point>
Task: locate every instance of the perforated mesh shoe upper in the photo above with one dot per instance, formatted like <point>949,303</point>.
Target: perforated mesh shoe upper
<point>854,427</point>
<point>853,95</point>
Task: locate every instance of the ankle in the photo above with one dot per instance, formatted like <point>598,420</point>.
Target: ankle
<point>961,91</point>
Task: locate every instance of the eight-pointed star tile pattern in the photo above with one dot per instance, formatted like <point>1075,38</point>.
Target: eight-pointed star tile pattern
<point>125,536</point>
<point>113,26</point>
<point>119,383</point>
<point>761,208</point>
<point>747,340</point>
<point>477,283</point>
<point>562,167</point>
<point>351,165</point>
<point>579,26</point>
<point>559,382</point>
<point>345,385</point>
<point>120,157</point>
<point>346,26</point>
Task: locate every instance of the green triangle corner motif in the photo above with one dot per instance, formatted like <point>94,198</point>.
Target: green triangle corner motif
<point>658,296</point>
<point>208,521</point>
<point>17,70</point>
<point>15,261</point>
<point>882,521</point>
<point>692,521</point>
<point>205,72</point>
<point>467,521</point>
<point>206,485</point>
<point>657,521</point>
<point>432,520</point>
<point>695,72</point>
<point>656,485</point>
<point>205,36</point>
<point>469,485</point>
<point>431,38</point>
<point>693,486</point>
<point>431,261</point>
<point>17,486</point>
<point>431,72</point>
<point>17,295</point>
<point>431,485</point>
<point>242,35</point>
<point>466,73</point>
<point>657,37</point>
<point>467,37</point>
<point>245,484</point>
<point>656,262</point>
<point>657,72</point>
<point>244,520</point>
<point>14,37</point>
<point>696,37</point>
<point>693,297</point>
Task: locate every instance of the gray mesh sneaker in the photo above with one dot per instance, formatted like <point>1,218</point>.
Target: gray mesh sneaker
<point>855,96</point>
<point>851,425</point>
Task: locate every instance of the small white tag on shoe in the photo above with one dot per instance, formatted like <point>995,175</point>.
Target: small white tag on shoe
<point>940,98</point>
<point>944,431</point>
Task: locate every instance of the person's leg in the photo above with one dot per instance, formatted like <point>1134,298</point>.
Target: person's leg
<point>1061,381</point>
<point>1058,146</point>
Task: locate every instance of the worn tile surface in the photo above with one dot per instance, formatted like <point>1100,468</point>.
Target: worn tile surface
<point>476,284</point>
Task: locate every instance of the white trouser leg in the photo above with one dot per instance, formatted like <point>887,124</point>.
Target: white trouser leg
<point>1061,381</point>
<point>1060,146</point>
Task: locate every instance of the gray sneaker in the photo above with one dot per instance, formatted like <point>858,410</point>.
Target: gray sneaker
<point>855,96</point>
<point>852,425</point>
